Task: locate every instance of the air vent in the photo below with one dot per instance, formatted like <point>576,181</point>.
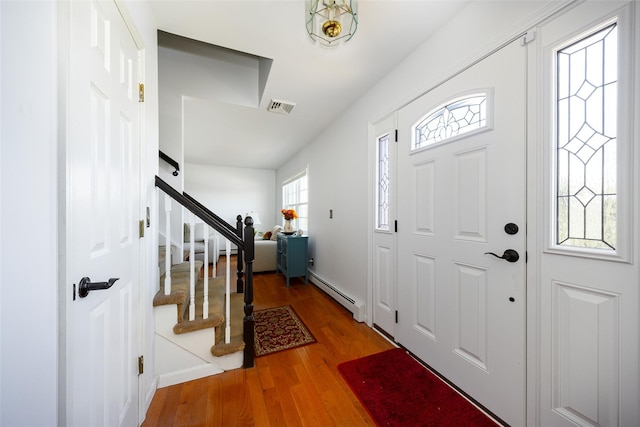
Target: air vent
<point>281,107</point>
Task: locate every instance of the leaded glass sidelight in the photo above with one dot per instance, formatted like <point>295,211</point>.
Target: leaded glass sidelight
<point>382,220</point>
<point>456,118</point>
<point>586,141</point>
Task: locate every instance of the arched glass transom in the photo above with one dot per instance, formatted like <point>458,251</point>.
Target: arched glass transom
<point>456,118</point>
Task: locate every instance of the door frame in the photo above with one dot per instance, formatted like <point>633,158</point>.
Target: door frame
<point>66,289</point>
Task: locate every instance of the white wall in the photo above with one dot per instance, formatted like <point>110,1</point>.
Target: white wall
<point>28,215</point>
<point>340,169</point>
<point>229,191</point>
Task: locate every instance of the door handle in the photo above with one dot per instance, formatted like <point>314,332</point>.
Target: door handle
<point>509,255</point>
<point>86,285</point>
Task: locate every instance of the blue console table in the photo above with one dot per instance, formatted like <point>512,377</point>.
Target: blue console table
<point>293,256</point>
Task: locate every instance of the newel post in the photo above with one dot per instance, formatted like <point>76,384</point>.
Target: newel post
<point>249,323</point>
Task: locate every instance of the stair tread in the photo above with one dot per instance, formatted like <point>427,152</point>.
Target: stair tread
<point>232,347</point>
<point>214,319</point>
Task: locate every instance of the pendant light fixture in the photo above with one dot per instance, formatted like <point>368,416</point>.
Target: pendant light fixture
<point>331,22</point>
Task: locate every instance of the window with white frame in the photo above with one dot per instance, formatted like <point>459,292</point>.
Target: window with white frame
<point>459,116</point>
<point>383,182</point>
<point>295,195</point>
<point>586,101</point>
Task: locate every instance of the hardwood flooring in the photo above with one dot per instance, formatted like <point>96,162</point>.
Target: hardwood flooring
<point>294,387</point>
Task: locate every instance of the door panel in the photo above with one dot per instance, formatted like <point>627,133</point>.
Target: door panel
<point>462,310</point>
<point>103,204</point>
<point>588,372</point>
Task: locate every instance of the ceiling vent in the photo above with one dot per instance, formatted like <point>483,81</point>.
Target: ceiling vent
<point>281,107</point>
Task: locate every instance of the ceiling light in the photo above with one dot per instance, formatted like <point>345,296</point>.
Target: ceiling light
<point>331,22</point>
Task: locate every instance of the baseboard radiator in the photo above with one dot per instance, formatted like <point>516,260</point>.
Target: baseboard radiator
<point>354,306</point>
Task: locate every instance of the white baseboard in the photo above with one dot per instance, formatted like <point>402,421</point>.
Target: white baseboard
<point>189,374</point>
<point>351,304</point>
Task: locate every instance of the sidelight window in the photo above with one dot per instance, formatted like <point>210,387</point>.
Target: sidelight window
<point>586,145</point>
<point>382,196</point>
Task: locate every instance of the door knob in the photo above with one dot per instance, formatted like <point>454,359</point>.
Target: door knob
<point>86,285</point>
<point>511,228</point>
<point>509,255</point>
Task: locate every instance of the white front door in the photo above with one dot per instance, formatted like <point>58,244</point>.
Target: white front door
<point>384,272</point>
<point>460,196</point>
<point>102,217</point>
<point>588,322</point>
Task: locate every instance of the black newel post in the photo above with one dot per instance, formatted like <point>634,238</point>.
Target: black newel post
<point>239,284</point>
<point>248,324</point>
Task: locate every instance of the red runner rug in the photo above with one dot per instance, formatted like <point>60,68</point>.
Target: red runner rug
<point>278,329</point>
<point>396,390</point>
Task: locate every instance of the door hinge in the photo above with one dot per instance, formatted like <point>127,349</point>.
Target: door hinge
<point>528,38</point>
<point>396,135</point>
<point>396,316</point>
<point>140,92</point>
<point>140,365</point>
<point>141,228</point>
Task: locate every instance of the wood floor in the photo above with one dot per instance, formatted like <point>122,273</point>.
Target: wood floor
<point>291,388</point>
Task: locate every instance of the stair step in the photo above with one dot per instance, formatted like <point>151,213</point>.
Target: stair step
<point>220,348</point>
<point>224,349</point>
<point>186,326</point>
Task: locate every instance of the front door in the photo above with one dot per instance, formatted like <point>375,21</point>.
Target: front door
<point>102,211</point>
<point>461,230</point>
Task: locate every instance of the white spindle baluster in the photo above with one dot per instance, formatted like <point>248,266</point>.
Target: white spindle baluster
<point>205,303</point>
<point>192,266</point>
<point>167,260</point>
<point>227,332</point>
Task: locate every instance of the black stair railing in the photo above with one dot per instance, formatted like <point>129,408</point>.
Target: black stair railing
<point>243,239</point>
<point>172,162</point>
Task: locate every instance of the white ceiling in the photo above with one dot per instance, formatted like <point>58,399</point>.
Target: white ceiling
<point>322,82</point>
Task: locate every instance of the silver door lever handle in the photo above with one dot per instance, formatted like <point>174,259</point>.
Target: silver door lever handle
<point>86,285</point>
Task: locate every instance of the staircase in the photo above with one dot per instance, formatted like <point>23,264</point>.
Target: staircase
<point>200,324</point>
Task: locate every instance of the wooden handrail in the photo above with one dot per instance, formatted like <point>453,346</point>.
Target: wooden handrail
<point>216,223</point>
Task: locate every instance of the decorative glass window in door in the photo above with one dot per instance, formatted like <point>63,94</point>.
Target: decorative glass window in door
<point>457,117</point>
<point>382,196</point>
<point>586,98</point>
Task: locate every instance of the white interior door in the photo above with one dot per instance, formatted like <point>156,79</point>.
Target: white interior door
<point>384,235</point>
<point>102,220</point>
<point>461,195</point>
<point>588,270</point>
